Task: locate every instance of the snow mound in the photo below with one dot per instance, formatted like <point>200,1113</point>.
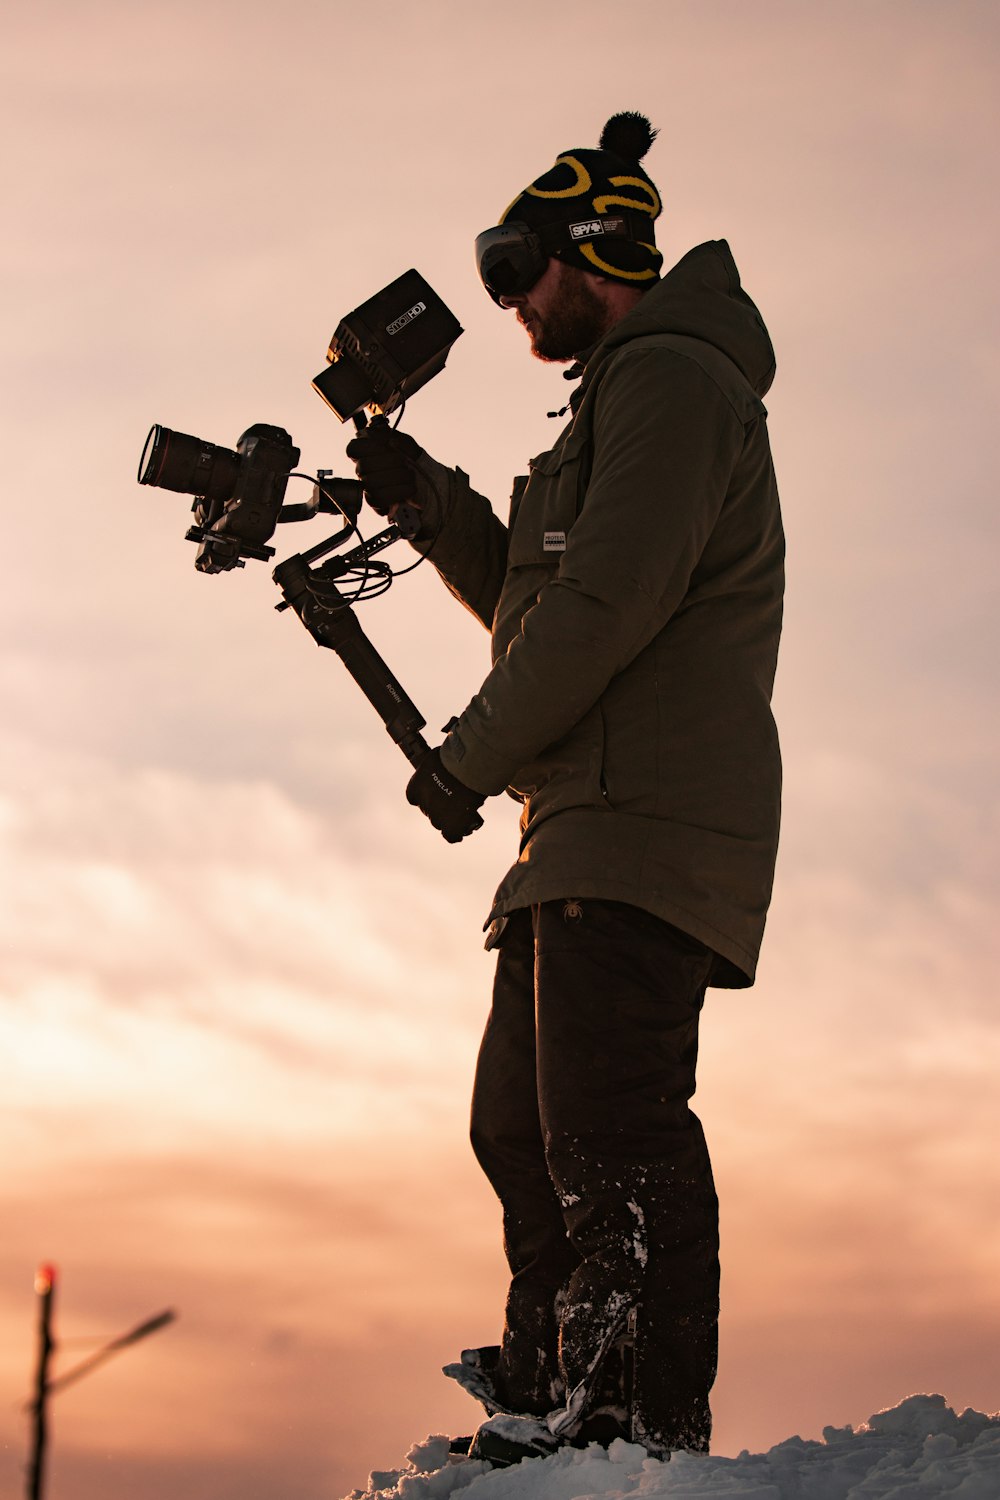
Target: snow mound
<point>918,1450</point>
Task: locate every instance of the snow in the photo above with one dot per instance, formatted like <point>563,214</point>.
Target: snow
<point>918,1450</point>
<point>639,1234</point>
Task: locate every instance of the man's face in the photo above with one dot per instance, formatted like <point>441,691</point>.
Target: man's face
<point>563,313</point>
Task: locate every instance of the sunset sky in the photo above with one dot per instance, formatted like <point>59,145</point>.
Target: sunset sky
<point>241,981</point>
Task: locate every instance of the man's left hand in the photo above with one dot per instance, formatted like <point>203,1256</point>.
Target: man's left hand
<point>452,807</point>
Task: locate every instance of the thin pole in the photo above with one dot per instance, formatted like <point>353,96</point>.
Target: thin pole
<point>152,1325</point>
<point>45,1285</point>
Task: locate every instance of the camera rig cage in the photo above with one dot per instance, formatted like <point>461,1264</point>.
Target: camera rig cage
<point>379,355</point>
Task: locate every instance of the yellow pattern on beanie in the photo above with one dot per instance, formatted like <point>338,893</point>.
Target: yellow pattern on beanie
<point>582,183</point>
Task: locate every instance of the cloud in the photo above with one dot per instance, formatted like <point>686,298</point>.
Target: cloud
<point>169,947</point>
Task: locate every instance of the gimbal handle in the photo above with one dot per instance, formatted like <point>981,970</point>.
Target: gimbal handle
<point>331,622</point>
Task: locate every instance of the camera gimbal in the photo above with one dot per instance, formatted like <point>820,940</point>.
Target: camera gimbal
<point>379,355</point>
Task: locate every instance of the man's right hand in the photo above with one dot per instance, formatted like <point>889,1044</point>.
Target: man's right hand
<point>452,807</point>
<point>384,462</point>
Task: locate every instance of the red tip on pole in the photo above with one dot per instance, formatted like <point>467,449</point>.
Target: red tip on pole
<point>45,1278</point>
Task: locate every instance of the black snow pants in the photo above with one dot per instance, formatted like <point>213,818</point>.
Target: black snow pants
<point>580,1120</point>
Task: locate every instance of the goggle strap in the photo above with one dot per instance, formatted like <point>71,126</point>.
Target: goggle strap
<point>563,236</point>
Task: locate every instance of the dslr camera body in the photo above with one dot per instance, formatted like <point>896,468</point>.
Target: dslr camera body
<point>239,493</point>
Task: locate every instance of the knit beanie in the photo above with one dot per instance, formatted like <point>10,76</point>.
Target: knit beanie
<point>585,184</point>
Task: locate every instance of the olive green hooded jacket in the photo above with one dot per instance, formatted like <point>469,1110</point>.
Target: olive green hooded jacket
<point>634,600</point>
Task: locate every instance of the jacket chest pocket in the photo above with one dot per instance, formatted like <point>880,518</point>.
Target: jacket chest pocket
<point>549,504</point>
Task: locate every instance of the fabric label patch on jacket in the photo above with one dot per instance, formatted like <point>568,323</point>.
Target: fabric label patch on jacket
<point>554,541</point>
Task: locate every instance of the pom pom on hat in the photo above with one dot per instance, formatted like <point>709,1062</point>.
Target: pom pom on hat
<point>628,134</point>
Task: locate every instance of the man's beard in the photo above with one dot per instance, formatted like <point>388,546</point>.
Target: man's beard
<point>575,322</point>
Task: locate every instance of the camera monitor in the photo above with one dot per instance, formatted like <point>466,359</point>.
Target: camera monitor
<point>387,348</point>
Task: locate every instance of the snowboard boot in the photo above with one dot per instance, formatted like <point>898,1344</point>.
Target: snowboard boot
<point>598,1413</point>
<point>506,1439</point>
<point>506,1436</point>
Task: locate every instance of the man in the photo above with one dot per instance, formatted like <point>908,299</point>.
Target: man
<point>634,599</point>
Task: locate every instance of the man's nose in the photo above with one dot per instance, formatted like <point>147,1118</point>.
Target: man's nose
<point>517,299</point>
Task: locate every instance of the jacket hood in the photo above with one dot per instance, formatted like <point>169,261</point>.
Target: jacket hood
<point>702,298</point>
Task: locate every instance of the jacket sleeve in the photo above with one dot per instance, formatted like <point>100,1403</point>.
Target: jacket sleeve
<point>664,446</point>
<point>462,537</point>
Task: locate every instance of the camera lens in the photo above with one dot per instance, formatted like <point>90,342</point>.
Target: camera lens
<point>178,461</point>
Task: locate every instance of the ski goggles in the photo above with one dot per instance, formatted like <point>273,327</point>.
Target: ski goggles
<point>512,257</point>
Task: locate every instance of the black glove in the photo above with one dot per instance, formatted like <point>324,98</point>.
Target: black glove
<point>452,807</point>
<point>384,460</point>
